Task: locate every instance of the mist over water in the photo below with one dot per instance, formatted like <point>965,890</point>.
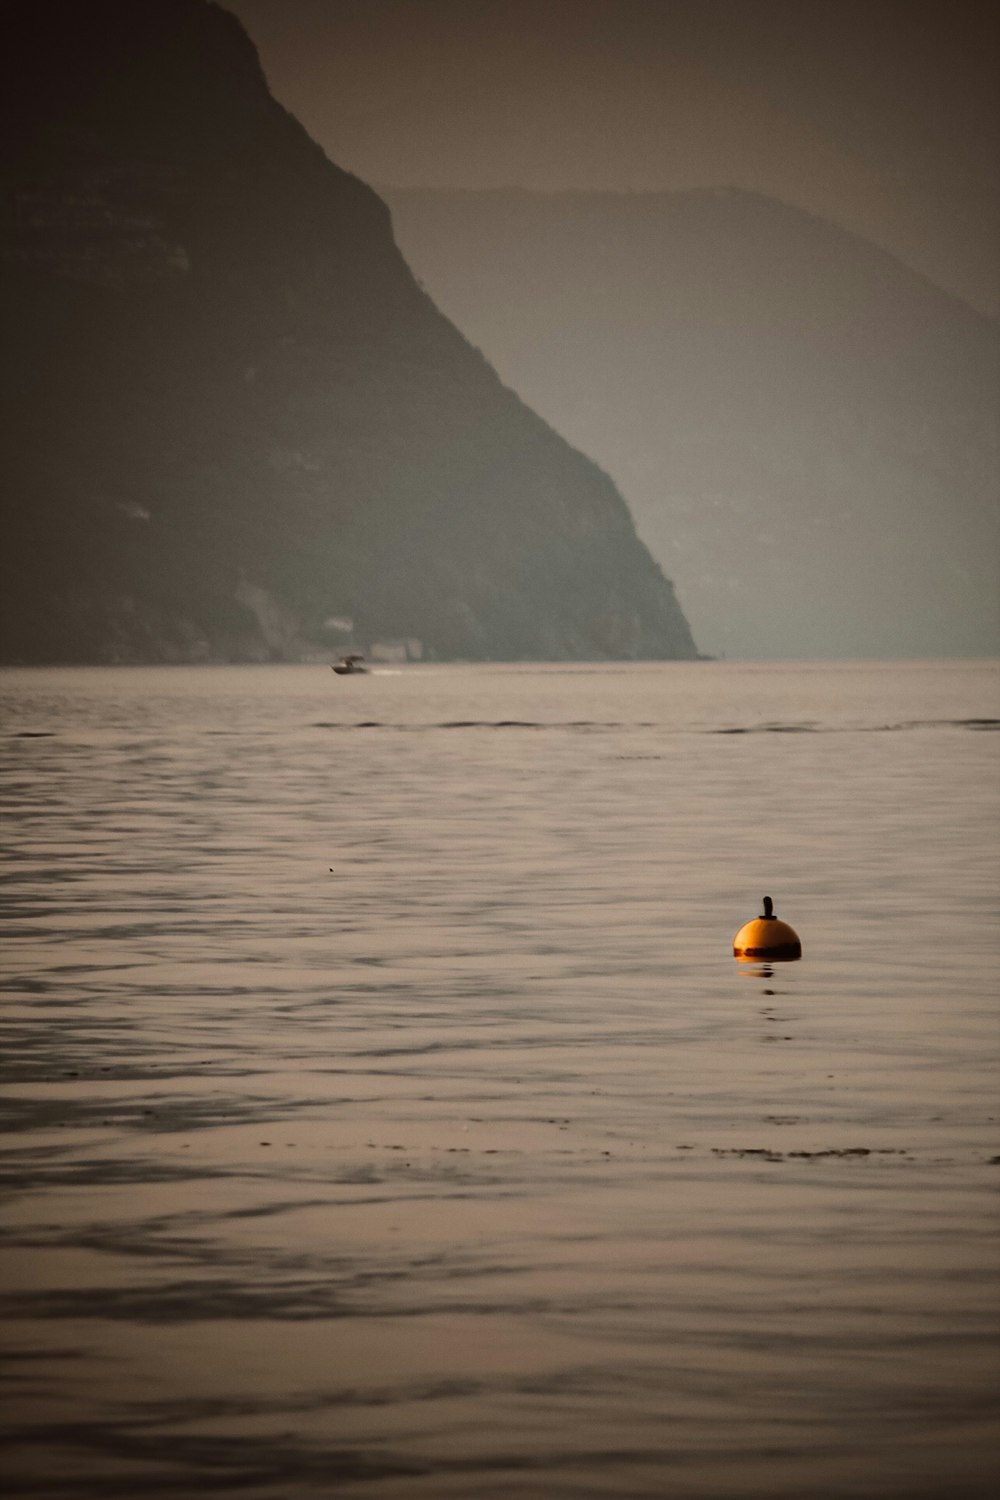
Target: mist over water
<point>386,1115</point>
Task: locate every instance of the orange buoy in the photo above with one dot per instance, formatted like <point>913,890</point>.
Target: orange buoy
<point>766,937</point>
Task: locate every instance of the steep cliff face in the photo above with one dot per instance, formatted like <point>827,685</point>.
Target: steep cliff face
<point>234,422</point>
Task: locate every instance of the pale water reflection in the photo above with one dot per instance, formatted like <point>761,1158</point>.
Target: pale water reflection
<point>386,1115</point>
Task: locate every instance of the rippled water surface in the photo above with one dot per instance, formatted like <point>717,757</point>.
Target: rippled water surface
<point>386,1115</point>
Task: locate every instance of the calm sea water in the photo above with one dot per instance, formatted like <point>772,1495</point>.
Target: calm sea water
<point>387,1116</point>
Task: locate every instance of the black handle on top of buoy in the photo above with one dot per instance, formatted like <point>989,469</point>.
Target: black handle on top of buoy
<point>768,913</point>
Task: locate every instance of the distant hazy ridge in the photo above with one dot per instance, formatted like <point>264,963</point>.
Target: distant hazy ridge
<point>806,430</point>
<point>233,421</point>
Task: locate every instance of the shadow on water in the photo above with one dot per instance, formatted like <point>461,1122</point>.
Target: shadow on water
<point>586,725</point>
<point>134,1454</point>
<point>149,1113</point>
<point>150,1448</point>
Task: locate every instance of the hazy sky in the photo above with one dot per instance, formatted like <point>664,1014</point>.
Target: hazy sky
<point>880,114</point>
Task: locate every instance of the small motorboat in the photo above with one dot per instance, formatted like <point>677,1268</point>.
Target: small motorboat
<point>348,666</point>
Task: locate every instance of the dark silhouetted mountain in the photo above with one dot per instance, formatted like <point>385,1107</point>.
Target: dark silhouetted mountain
<point>807,430</point>
<point>233,421</point>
